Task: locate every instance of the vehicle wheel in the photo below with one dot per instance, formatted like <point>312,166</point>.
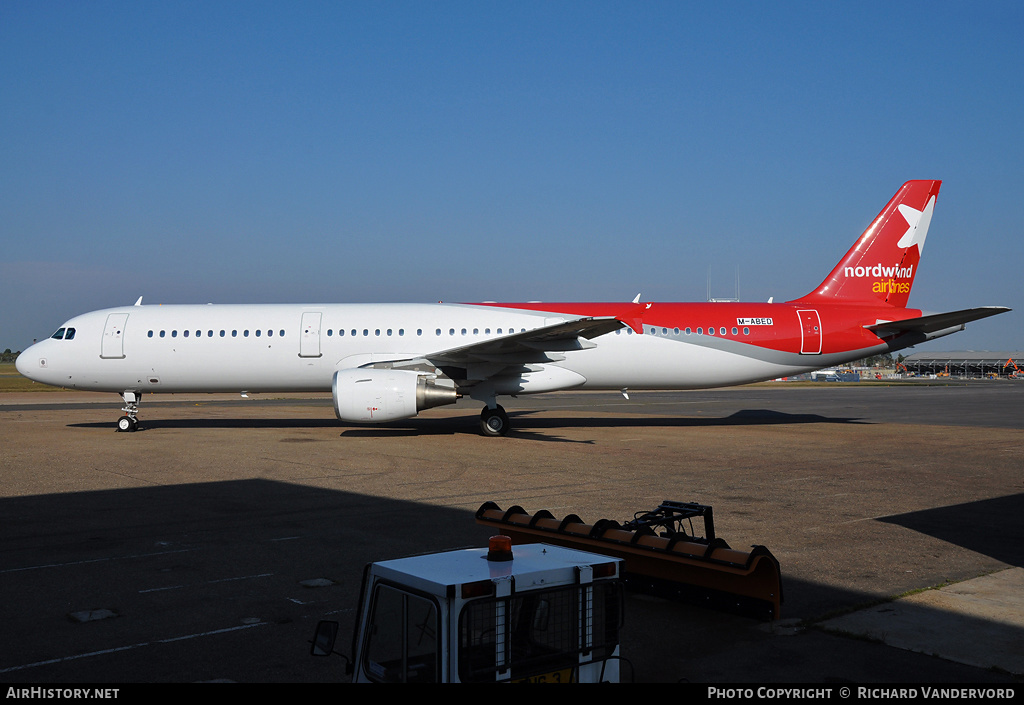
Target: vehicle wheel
<point>125,423</point>
<point>493,422</point>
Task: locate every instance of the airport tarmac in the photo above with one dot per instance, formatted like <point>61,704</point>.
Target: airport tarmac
<point>185,552</point>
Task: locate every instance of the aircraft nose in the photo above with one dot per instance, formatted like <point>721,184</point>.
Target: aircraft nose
<point>24,363</point>
<point>20,362</point>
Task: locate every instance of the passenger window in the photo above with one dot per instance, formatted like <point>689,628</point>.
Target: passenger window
<point>209,334</point>
<point>174,334</point>
<point>711,331</point>
<point>700,331</point>
<point>280,333</point>
<point>734,331</point>
<point>330,333</point>
<point>746,331</point>
<point>258,332</point>
<point>722,330</point>
<point>184,334</point>
<point>245,333</point>
<point>163,333</point>
<point>688,331</point>
<point>222,334</point>
<point>150,334</point>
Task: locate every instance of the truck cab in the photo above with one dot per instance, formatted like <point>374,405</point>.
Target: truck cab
<point>538,613</point>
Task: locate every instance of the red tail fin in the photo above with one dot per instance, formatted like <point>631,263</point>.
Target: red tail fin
<point>881,267</point>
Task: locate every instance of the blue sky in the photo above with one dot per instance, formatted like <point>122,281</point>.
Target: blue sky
<point>567,151</point>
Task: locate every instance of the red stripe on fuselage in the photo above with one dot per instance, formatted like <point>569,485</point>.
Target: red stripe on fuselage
<point>842,325</point>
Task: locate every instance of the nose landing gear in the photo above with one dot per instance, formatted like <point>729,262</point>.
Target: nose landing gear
<point>129,422</point>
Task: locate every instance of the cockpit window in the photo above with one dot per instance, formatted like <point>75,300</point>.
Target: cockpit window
<point>64,334</point>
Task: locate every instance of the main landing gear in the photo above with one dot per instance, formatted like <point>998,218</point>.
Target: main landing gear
<point>129,422</point>
<point>493,422</point>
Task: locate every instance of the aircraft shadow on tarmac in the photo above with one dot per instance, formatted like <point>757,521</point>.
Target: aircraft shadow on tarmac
<point>526,423</point>
<point>745,417</point>
<point>121,546</point>
<point>150,424</point>
<point>991,527</point>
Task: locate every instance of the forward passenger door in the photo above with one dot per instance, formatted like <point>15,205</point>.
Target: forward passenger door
<point>112,346</point>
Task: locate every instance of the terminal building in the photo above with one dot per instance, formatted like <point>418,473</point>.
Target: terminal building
<point>966,364</point>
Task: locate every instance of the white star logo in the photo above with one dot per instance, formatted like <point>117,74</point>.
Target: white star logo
<point>917,225</point>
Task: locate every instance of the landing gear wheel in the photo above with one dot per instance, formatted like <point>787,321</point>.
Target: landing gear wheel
<point>130,421</point>
<point>493,422</point>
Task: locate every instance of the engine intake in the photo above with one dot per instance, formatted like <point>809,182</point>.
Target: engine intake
<point>369,395</point>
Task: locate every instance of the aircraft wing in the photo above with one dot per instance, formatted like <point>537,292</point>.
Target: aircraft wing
<point>537,345</point>
<point>935,322</point>
<point>489,357</point>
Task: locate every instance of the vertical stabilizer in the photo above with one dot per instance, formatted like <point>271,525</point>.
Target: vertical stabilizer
<point>881,266</point>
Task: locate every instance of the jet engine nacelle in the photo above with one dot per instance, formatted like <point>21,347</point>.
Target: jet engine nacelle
<point>385,395</point>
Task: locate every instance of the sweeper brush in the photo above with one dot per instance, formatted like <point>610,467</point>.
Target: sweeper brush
<point>661,553</point>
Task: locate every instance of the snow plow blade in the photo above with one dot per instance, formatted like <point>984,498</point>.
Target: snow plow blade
<point>671,563</point>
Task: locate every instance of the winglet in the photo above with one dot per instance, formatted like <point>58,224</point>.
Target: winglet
<point>636,321</point>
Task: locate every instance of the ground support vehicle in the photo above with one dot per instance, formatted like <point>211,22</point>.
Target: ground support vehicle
<point>661,556</point>
<point>532,613</point>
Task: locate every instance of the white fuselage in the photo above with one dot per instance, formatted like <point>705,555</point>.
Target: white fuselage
<point>298,348</point>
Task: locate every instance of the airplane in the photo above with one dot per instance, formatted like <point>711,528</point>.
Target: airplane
<point>384,362</point>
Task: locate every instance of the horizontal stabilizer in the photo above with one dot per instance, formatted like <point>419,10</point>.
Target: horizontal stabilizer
<point>935,322</point>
